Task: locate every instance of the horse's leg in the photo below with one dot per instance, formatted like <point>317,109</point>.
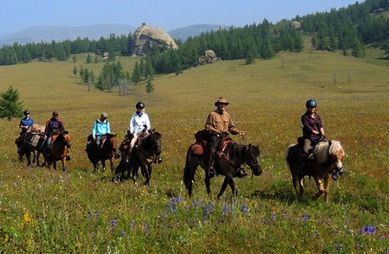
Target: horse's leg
<point>55,164</point>
<point>28,156</point>
<point>207,181</point>
<point>103,164</point>
<point>146,173</point>
<point>327,187</point>
<point>319,184</point>
<point>64,163</point>
<point>224,186</point>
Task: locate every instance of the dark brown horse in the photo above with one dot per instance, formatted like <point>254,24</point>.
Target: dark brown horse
<point>143,156</point>
<point>326,163</point>
<point>59,150</point>
<point>25,148</point>
<point>108,151</point>
<point>229,164</point>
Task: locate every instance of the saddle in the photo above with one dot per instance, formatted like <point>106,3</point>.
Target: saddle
<point>202,137</point>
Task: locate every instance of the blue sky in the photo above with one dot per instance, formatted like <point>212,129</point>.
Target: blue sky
<point>17,15</point>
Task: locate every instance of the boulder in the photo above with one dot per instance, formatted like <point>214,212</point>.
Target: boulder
<point>145,36</point>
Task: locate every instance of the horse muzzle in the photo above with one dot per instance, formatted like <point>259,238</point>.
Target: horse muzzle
<point>257,170</point>
<point>68,145</point>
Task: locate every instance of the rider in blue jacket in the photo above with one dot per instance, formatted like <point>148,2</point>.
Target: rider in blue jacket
<point>101,127</point>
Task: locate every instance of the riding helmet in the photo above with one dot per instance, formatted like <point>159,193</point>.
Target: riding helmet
<point>26,112</point>
<point>140,105</point>
<point>311,103</point>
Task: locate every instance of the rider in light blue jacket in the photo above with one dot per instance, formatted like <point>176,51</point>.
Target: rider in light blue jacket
<point>101,127</point>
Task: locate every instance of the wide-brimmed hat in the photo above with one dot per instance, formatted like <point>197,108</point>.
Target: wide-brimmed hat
<point>221,100</point>
<point>55,113</point>
<point>105,115</point>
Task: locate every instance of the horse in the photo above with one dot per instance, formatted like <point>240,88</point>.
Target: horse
<point>326,163</point>
<point>59,150</point>
<point>23,149</point>
<point>144,155</point>
<point>235,155</point>
<point>108,151</point>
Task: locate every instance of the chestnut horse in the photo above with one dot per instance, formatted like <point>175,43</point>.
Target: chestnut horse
<point>59,149</point>
<point>235,155</point>
<point>108,151</point>
<point>326,163</point>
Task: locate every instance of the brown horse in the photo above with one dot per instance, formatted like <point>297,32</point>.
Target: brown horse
<point>326,163</point>
<point>108,151</point>
<point>59,150</point>
<point>229,165</point>
<point>147,152</point>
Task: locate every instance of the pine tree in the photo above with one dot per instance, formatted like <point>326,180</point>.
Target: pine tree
<point>81,71</point>
<point>10,106</point>
<point>88,58</point>
<point>358,49</point>
<point>149,72</point>
<point>149,86</point>
<point>96,59</point>
<point>74,58</point>
<point>75,74</point>
<point>136,74</point>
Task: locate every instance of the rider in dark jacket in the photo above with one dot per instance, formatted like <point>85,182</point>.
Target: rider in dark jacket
<point>313,131</point>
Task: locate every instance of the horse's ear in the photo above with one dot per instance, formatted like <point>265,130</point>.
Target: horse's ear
<point>115,135</point>
<point>65,132</point>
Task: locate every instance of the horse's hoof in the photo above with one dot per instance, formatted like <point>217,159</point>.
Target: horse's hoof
<point>64,169</point>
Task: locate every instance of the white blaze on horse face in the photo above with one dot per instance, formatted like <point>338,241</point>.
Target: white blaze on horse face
<point>339,164</point>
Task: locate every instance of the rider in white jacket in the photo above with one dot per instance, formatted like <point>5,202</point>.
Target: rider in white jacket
<point>139,121</point>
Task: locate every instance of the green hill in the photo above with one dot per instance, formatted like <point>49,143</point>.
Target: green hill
<point>45,210</point>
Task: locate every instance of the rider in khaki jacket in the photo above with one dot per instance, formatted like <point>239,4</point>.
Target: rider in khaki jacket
<point>218,122</point>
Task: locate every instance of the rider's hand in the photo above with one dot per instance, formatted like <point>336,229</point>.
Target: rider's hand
<point>315,132</point>
<point>242,133</point>
<point>45,137</point>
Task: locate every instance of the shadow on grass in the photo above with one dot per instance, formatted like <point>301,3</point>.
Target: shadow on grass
<point>280,190</point>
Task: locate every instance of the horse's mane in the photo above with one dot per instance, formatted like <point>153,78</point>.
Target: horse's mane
<point>323,150</point>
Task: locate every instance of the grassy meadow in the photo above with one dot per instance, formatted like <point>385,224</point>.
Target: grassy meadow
<point>44,211</point>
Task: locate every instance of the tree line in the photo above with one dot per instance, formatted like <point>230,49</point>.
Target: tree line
<point>348,29</point>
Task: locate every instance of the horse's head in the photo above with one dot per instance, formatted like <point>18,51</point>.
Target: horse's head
<point>65,138</point>
<point>253,155</point>
<point>112,141</point>
<point>154,142</point>
<point>336,153</point>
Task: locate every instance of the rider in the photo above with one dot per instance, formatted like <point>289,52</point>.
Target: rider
<point>218,122</point>
<point>26,122</point>
<point>53,126</point>
<point>313,131</point>
<point>101,127</point>
<point>139,123</point>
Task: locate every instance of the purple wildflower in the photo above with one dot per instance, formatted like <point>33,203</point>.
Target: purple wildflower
<point>90,215</point>
<point>113,223</point>
<point>178,200</point>
<point>206,212</point>
<point>370,229</point>
<point>382,238</point>
<point>122,233</point>
<point>320,221</point>
<point>172,207</point>
<point>245,208</point>
<point>362,231</point>
<point>92,235</point>
<point>195,204</point>
<point>306,217</point>
<point>225,209</point>
<point>329,221</point>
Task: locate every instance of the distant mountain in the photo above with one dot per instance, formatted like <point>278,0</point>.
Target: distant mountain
<point>61,33</point>
<point>185,32</point>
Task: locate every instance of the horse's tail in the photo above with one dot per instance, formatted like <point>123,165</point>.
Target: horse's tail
<point>189,172</point>
<point>291,154</point>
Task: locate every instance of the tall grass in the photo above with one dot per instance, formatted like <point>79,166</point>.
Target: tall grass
<point>45,210</point>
